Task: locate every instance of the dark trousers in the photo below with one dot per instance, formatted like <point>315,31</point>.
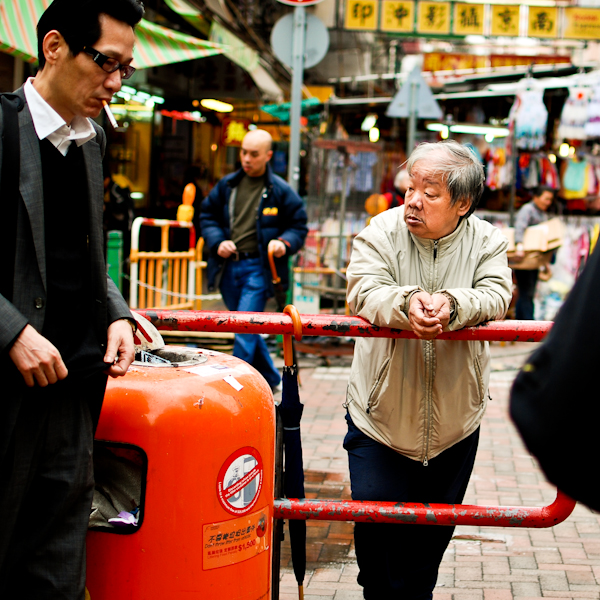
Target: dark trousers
<point>402,561</point>
<point>46,488</point>
<point>526,283</point>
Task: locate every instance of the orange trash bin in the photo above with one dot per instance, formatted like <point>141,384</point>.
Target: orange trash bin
<point>205,432</point>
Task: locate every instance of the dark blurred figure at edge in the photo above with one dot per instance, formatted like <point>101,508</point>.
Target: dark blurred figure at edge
<point>247,213</point>
<point>118,208</point>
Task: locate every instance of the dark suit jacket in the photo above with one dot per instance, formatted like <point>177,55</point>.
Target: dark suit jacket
<point>29,283</point>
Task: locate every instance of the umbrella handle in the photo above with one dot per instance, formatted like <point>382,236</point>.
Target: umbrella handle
<point>288,349</point>
<point>274,277</point>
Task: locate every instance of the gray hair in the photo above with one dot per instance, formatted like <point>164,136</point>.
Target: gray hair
<point>461,171</point>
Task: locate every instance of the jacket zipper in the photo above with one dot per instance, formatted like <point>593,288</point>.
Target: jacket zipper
<point>479,376</point>
<point>429,385</point>
<point>431,361</point>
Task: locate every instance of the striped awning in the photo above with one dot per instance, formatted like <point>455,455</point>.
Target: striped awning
<point>191,14</point>
<point>155,45</point>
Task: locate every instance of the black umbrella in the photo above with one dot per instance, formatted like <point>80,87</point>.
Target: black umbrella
<point>293,477</point>
<point>290,410</point>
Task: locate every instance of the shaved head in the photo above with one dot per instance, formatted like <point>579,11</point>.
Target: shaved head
<point>259,136</point>
<point>256,152</point>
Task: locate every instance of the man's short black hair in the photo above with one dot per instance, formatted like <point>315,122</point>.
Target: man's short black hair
<point>78,21</point>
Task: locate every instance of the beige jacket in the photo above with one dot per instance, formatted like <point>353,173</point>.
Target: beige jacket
<point>421,397</point>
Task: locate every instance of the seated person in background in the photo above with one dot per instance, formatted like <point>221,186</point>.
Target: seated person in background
<point>415,405</point>
<point>531,213</point>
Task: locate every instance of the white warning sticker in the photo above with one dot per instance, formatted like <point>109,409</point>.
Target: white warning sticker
<point>240,480</point>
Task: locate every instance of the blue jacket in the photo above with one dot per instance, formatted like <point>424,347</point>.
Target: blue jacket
<point>281,215</point>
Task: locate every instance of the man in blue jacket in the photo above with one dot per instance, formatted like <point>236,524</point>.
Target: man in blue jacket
<point>248,213</point>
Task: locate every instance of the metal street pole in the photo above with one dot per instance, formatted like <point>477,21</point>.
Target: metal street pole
<point>514,159</point>
<point>412,116</point>
<point>296,99</point>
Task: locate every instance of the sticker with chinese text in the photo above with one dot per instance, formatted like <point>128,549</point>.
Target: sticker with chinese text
<point>231,542</point>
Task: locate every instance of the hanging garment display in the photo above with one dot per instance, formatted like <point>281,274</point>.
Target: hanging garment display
<point>530,119</point>
<point>535,169</point>
<point>365,161</point>
<point>592,126</point>
<point>496,169</point>
<point>575,114</point>
<point>574,179</point>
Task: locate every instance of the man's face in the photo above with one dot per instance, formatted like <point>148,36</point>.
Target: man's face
<point>79,85</point>
<point>427,210</point>
<point>544,200</point>
<point>255,155</point>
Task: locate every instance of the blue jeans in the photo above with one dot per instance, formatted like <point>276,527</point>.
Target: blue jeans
<point>244,288</point>
<point>402,561</point>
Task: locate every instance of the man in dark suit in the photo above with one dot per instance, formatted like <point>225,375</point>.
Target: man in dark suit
<point>64,327</point>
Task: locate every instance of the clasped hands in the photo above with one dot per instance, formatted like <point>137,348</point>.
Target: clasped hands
<point>428,314</point>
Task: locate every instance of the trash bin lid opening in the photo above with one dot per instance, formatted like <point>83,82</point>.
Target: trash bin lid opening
<point>169,357</point>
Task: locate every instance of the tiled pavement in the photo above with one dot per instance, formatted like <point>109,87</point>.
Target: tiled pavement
<point>480,563</point>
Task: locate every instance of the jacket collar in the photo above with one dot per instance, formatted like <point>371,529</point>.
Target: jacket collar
<point>239,175</point>
<point>445,244</point>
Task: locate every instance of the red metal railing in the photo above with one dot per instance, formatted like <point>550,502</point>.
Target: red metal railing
<point>426,514</point>
<point>333,325</point>
<point>378,512</point>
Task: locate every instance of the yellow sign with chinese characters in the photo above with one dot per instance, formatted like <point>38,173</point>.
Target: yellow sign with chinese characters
<point>362,14</point>
<point>468,19</point>
<point>582,23</point>
<point>543,22</point>
<point>398,16</point>
<point>442,61</point>
<point>233,131</point>
<point>505,19</point>
<point>434,17</point>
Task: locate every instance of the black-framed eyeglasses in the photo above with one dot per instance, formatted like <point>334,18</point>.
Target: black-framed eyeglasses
<point>108,64</point>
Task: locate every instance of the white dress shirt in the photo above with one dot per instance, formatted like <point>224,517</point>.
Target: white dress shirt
<point>49,124</point>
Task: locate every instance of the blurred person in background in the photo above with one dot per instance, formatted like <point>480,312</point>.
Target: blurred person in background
<point>248,213</point>
<point>396,196</point>
<point>531,213</point>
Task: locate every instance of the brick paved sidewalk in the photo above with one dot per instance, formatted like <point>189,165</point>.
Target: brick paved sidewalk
<point>480,563</point>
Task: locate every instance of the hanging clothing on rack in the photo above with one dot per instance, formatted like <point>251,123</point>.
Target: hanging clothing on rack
<point>496,169</point>
<point>365,161</point>
<point>574,183</point>
<point>530,119</point>
<point>536,169</point>
<point>575,114</point>
<point>592,126</point>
